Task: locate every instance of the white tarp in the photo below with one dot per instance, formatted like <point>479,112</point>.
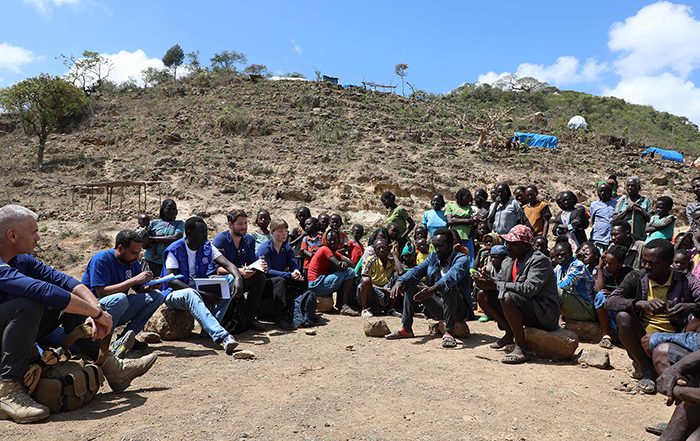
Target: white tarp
<point>577,122</point>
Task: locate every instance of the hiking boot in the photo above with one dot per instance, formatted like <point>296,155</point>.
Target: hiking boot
<point>120,373</point>
<point>140,345</point>
<point>347,310</point>
<point>367,313</point>
<point>17,405</point>
<point>229,343</point>
<point>123,344</point>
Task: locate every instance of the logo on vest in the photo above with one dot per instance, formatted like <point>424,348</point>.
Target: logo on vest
<point>128,274</point>
<point>205,260</point>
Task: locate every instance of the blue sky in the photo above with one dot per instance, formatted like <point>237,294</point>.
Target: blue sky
<point>645,52</point>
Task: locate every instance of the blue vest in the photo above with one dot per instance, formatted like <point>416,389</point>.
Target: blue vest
<point>203,258</point>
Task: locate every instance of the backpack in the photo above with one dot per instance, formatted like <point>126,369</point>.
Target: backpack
<point>63,382</point>
<point>305,310</point>
<point>235,320</point>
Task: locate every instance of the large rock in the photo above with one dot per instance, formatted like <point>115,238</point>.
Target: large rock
<point>171,324</point>
<point>597,358</point>
<point>376,328</point>
<point>588,332</point>
<point>557,345</point>
<point>461,329</point>
<point>324,304</point>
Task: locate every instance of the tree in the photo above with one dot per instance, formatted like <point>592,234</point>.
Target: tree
<point>174,58</point>
<point>43,103</point>
<point>89,72</point>
<point>153,76</point>
<point>294,75</point>
<point>193,58</point>
<point>256,69</point>
<point>401,70</point>
<point>512,82</point>
<point>225,60</point>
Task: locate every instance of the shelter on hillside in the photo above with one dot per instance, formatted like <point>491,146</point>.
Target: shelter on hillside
<point>537,140</point>
<point>577,122</point>
<point>669,155</point>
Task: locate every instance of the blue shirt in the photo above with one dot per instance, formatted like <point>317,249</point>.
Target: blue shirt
<point>575,278</point>
<point>104,270</point>
<point>24,276</point>
<point>457,276</point>
<point>434,220</point>
<point>601,218</point>
<point>159,227</point>
<point>280,264</point>
<point>244,255</point>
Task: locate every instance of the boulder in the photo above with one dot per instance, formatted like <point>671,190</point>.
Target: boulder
<point>461,329</point>
<point>171,324</point>
<point>597,358</point>
<point>376,328</point>
<point>150,337</point>
<point>660,180</point>
<point>556,345</point>
<point>324,304</point>
<point>588,332</point>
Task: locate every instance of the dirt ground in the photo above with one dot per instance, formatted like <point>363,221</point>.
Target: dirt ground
<point>339,385</point>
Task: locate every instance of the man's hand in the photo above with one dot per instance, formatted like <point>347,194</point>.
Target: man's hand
<point>483,276</point>
<point>238,286</point>
<point>343,264</point>
<point>263,264</point>
<point>246,273</point>
<point>296,275</point>
<point>651,306</point>
<point>681,309</point>
<point>143,277</point>
<point>425,293</point>
<point>100,327</point>
<point>396,290</point>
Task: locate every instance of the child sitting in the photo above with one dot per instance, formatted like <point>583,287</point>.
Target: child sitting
<point>311,241</point>
<point>662,223</point>
<point>572,221</point>
<point>261,234</point>
<point>541,245</point>
<point>422,250</point>
<point>408,254</point>
<point>355,245</point>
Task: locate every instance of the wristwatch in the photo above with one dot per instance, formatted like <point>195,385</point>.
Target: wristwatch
<point>102,310</point>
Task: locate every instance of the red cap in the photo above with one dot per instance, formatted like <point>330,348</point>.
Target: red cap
<point>519,233</point>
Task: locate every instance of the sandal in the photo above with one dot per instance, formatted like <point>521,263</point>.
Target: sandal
<point>401,333</point>
<point>606,342</point>
<point>514,359</point>
<point>347,310</point>
<point>502,342</point>
<point>647,385</point>
<point>657,429</point>
<point>448,341</point>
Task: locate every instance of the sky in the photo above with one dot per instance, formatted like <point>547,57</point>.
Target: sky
<point>644,52</point>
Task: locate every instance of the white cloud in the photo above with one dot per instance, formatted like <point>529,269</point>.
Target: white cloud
<point>660,36</point>
<point>12,58</point>
<point>566,70</point>
<point>44,6</point>
<point>491,77</point>
<point>128,65</point>
<point>296,47</point>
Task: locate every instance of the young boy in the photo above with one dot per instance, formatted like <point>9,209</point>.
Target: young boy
<point>662,223</point>
<point>575,284</point>
<point>694,205</point>
<point>311,242</point>
<point>375,283</point>
<point>323,222</point>
<point>142,230</point>
<point>398,215</point>
<point>422,250</point>
<point>335,223</point>
<point>537,211</point>
<point>541,245</point>
<point>572,221</point>
<point>262,234</point>
<point>355,244</point>
<point>301,214</point>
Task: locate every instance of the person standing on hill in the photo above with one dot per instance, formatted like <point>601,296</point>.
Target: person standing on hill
<point>634,208</point>
<point>505,212</point>
<point>161,233</point>
<point>537,211</point>
<point>397,215</point>
<point>602,212</point>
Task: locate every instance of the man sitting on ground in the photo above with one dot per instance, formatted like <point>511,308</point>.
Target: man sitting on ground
<point>238,247</point>
<point>376,281</point>
<point>34,299</point>
<point>191,257</point>
<point>447,278</point>
<point>527,290</point>
<point>655,300</point>
<point>110,275</point>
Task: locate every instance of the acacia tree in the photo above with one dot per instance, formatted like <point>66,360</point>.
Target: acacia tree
<point>401,70</point>
<point>89,72</point>
<point>174,58</point>
<point>256,69</point>
<point>225,60</point>
<point>43,103</point>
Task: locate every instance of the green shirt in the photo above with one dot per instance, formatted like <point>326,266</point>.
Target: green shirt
<point>460,212</point>
<point>398,216</point>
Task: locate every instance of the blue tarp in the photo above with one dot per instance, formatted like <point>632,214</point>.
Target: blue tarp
<point>537,140</point>
<point>669,155</point>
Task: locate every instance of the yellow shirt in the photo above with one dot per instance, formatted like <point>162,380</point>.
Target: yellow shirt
<point>420,257</point>
<point>658,322</point>
<point>375,270</point>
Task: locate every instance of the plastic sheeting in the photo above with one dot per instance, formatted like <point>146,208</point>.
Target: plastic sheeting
<point>577,122</point>
<point>537,140</point>
<point>669,155</point>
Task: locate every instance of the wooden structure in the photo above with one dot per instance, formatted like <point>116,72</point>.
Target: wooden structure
<point>110,188</point>
<point>375,87</point>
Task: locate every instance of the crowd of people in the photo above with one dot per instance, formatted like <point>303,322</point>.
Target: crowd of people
<point>499,255</point>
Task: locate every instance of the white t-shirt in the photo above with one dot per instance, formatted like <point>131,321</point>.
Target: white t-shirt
<point>171,260</point>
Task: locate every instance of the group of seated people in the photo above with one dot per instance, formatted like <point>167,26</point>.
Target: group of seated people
<point>471,255</point>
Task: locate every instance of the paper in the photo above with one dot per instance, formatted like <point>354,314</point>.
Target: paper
<point>165,279</point>
<point>217,282</point>
<point>257,265</point>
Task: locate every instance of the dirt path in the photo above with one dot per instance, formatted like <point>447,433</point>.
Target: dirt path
<point>305,387</point>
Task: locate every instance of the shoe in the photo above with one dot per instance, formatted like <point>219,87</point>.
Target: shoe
<point>286,325</point>
<point>484,318</point>
<point>347,310</point>
<point>17,405</point>
<point>255,325</point>
<point>367,313</point>
<point>394,313</point>
<point>140,345</point>
<point>120,373</point>
<point>123,344</point>
<point>401,333</point>
<point>229,344</point>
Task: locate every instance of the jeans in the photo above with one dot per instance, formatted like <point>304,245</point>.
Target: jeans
<point>134,309</point>
<point>19,327</point>
<point>326,285</point>
<point>450,307</point>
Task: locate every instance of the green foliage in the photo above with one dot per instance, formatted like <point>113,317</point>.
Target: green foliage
<point>226,60</point>
<point>256,69</point>
<point>44,103</point>
<point>89,72</point>
<point>401,70</point>
<point>153,76</point>
<point>174,58</point>
<point>193,59</point>
<point>234,120</point>
<point>294,75</point>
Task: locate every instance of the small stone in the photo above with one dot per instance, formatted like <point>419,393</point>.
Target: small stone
<point>376,328</point>
<point>660,180</point>
<point>244,355</point>
<point>310,331</point>
<point>150,337</point>
<point>324,304</point>
<point>557,345</point>
<point>171,324</point>
<point>350,348</point>
<point>461,329</point>
<point>597,358</point>
<point>588,332</point>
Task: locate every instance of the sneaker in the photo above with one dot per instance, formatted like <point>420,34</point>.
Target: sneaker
<point>401,333</point>
<point>394,313</point>
<point>367,313</point>
<point>484,318</point>
<point>17,405</point>
<point>123,344</point>
<point>347,310</point>
<point>120,373</point>
<point>140,345</point>
<point>229,344</point>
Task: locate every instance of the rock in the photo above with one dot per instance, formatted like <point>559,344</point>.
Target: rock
<point>244,355</point>
<point>461,329</point>
<point>588,332</point>
<point>150,337</point>
<point>171,324</point>
<point>597,358</point>
<point>294,195</point>
<point>376,328</point>
<point>660,180</point>
<point>557,345</point>
<point>324,304</point>
<point>310,331</point>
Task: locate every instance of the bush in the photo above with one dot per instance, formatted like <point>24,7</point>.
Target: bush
<point>234,121</point>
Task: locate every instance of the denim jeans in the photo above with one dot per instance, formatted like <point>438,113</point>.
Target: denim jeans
<point>134,309</point>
